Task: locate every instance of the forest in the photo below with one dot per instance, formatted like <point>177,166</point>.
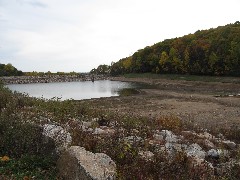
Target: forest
<point>9,70</point>
<point>207,52</point>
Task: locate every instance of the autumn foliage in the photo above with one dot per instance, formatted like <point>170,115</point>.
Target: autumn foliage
<point>207,52</point>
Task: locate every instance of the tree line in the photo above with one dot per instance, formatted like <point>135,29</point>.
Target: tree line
<point>9,70</point>
<point>208,52</point>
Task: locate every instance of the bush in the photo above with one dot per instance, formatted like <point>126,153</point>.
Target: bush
<point>26,167</point>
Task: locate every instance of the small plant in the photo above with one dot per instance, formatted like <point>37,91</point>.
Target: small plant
<point>4,158</point>
<point>170,123</point>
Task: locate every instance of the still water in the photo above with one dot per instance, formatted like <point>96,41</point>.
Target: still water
<point>72,90</point>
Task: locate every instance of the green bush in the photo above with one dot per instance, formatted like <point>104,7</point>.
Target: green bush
<point>39,167</point>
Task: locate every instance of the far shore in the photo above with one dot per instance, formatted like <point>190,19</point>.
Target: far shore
<point>51,78</point>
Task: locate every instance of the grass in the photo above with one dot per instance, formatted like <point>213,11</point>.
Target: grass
<point>222,79</point>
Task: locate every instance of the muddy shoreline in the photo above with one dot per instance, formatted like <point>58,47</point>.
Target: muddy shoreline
<point>206,104</point>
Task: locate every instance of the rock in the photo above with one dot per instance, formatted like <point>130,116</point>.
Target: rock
<point>61,137</point>
<point>230,144</point>
<point>188,133</point>
<point>99,131</point>
<point>172,148</point>
<point>195,150</point>
<point>206,135</point>
<point>103,130</point>
<point>95,119</point>
<point>213,153</point>
<point>217,153</point>
<point>147,155</point>
<point>78,164</point>
<point>90,130</point>
<point>86,124</point>
<point>168,136</point>
<point>208,143</point>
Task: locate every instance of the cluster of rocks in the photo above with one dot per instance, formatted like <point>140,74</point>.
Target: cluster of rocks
<point>50,78</point>
<point>205,151</point>
<point>75,162</point>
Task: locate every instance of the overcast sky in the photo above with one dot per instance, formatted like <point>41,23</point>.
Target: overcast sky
<point>78,35</point>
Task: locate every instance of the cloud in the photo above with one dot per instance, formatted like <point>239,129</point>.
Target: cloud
<point>33,3</point>
<point>37,4</point>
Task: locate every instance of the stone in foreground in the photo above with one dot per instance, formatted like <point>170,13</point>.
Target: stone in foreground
<point>60,136</point>
<point>78,164</point>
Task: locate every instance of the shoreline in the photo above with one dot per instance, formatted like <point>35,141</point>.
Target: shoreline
<point>50,79</point>
<point>210,104</point>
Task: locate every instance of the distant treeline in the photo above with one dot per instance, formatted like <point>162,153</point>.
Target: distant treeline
<point>35,73</point>
<point>207,52</point>
<point>9,70</point>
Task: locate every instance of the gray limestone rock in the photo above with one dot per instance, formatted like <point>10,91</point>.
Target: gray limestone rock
<point>60,136</point>
<point>195,150</point>
<point>168,136</point>
<point>78,164</point>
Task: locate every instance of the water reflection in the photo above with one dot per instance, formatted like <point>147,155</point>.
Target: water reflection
<point>72,90</point>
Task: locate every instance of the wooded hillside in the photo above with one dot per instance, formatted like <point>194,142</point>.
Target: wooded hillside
<point>208,52</point>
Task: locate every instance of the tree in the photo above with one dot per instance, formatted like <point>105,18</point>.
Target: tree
<point>213,59</point>
<point>164,62</point>
<point>9,70</point>
<point>102,69</point>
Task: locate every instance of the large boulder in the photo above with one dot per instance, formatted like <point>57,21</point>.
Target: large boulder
<point>60,136</point>
<point>78,164</point>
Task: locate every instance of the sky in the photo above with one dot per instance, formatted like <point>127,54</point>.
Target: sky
<point>79,35</point>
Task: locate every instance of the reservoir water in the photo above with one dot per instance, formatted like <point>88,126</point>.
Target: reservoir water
<point>72,90</point>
